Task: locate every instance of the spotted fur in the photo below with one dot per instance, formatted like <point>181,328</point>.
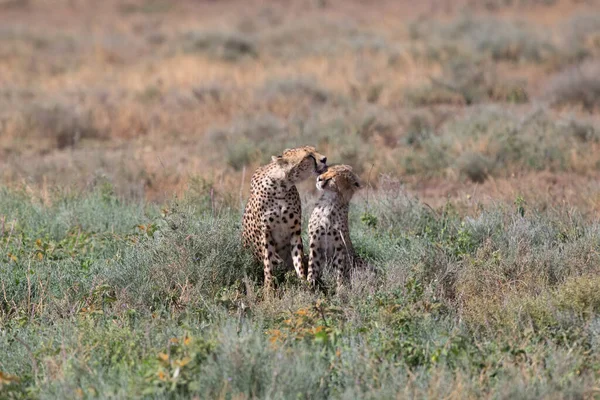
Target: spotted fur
<point>328,229</point>
<point>271,225</point>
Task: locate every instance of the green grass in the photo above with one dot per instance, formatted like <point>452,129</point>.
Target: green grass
<point>104,298</point>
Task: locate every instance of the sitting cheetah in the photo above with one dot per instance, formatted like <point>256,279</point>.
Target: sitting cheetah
<point>271,225</point>
<point>328,225</point>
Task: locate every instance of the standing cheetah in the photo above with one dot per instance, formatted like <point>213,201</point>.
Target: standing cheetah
<point>271,225</point>
<point>328,225</point>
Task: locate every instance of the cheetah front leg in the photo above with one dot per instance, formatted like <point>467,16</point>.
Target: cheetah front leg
<point>342,268</point>
<point>270,258</point>
<point>344,260</point>
<point>314,262</point>
<point>298,253</point>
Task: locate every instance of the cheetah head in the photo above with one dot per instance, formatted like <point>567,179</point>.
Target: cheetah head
<point>300,163</point>
<point>339,180</point>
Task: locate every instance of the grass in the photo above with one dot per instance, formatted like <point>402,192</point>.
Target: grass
<point>101,297</point>
<point>127,144</point>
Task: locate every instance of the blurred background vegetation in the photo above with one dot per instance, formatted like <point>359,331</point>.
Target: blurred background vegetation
<point>153,93</point>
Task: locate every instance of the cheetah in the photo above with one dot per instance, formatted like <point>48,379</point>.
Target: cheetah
<point>271,224</point>
<point>328,225</point>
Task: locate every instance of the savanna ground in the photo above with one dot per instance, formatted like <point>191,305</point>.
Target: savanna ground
<point>129,131</point>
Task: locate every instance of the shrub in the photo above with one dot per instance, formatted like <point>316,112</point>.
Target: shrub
<point>341,137</point>
<point>467,82</point>
<point>577,85</point>
<point>497,141</point>
<point>500,4</point>
<point>430,95</point>
<point>378,125</point>
<point>63,124</point>
<point>15,4</point>
<point>228,46</point>
<point>418,130</point>
<point>210,259</point>
<point>147,7</point>
<point>253,140</point>
<point>493,38</point>
<point>321,36</point>
<point>475,166</point>
<point>250,140</point>
<point>582,35</point>
<point>209,92</point>
<point>295,87</point>
<point>505,41</point>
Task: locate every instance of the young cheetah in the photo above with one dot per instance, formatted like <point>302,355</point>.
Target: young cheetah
<point>328,225</point>
<point>271,225</point>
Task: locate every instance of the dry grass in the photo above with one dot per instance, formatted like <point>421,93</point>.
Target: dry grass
<point>136,90</point>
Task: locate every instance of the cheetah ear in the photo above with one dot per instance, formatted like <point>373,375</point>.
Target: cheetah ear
<point>279,160</point>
